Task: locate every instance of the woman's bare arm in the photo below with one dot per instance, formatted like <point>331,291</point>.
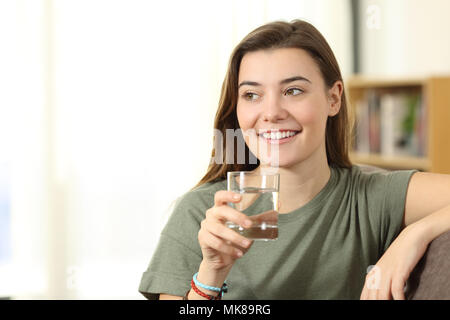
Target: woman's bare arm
<point>427,194</point>
<point>164,296</point>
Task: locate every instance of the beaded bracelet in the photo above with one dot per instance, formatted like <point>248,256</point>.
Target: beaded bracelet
<point>221,291</point>
<point>201,293</point>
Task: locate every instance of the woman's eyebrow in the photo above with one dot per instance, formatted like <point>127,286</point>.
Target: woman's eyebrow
<point>285,81</point>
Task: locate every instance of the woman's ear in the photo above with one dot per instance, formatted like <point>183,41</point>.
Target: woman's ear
<point>334,98</point>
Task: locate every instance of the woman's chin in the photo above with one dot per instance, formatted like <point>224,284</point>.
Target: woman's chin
<point>277,163</point>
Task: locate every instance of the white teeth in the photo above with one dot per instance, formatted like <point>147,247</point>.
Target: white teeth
<point>278,135</point>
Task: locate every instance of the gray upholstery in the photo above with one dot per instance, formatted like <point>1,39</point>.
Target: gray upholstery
<point>430,280</point>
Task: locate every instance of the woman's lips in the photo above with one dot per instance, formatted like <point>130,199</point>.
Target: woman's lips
<point>279,141</point>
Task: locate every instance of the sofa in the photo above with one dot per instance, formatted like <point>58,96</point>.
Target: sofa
<point>430,279</point>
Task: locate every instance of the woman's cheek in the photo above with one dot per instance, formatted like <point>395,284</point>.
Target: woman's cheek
<point>307,116</point>
<point>246,120</point>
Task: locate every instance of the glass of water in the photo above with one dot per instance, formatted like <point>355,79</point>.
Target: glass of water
<point>259,201</point>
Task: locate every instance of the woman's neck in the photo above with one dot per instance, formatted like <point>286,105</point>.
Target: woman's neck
<point>301,182</point>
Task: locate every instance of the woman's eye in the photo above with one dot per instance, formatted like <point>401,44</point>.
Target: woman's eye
<point>250,96</point>
<point>293,91</point>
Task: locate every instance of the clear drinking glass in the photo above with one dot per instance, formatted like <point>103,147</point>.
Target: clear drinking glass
<point>259,201</point>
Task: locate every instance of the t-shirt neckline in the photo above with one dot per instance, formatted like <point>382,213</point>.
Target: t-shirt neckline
<point>314,202</point>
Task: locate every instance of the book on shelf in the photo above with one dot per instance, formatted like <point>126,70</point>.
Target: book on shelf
<point>391,124</point>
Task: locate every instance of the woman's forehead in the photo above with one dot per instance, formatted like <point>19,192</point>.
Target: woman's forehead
<point>264,66</point>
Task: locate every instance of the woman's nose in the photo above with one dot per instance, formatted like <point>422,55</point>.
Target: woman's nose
<point>273,110</point>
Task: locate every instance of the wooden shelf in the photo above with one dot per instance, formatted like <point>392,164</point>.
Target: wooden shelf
<point>391,162</point>
<point>359,82</point>
<point>436,94</point>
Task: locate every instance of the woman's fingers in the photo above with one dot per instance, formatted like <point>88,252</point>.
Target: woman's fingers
<point>209,240</point>
<point>397,287</point>
<point>221,197</point>
<point>215,237</point>
<point>230,236</point>
<point>375,287</point>
<point>384,293</point>
<point>391,286</point>
<point>225,213</point>
<point>364,293</point>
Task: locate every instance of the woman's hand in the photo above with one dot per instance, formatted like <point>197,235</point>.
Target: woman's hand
<point>387,278</point>
<point>220,245</point>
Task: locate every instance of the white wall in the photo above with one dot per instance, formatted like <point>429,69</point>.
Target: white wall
<point>117,123</point>
<point>23,143</point>
<point>411,38</point>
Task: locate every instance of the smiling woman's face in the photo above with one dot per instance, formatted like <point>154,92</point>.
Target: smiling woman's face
<point>283,90</point>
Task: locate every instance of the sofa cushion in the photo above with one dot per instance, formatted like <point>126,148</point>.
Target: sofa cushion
<point>430,280</point>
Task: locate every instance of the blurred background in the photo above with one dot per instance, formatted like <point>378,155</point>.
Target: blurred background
<point>106,117</point>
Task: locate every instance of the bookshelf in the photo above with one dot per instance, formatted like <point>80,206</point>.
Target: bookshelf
<point>417,109</point>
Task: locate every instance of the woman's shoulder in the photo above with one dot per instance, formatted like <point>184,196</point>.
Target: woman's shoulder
<point>360,175</point>
<point>367,171</point>
<point>200,197</point>
<point>365,177</point>
<point>363,171</point>
<point>189,208</point>
<point>210,187</point>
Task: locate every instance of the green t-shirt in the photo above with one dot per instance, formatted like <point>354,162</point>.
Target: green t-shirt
<point>323,249</point>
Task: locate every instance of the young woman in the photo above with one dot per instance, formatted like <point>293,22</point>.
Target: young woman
<point>335,221</point>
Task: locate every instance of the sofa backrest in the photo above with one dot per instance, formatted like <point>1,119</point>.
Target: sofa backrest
<point>430,280</point>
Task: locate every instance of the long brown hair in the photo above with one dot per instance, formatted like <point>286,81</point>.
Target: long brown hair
<point>280,34</point>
